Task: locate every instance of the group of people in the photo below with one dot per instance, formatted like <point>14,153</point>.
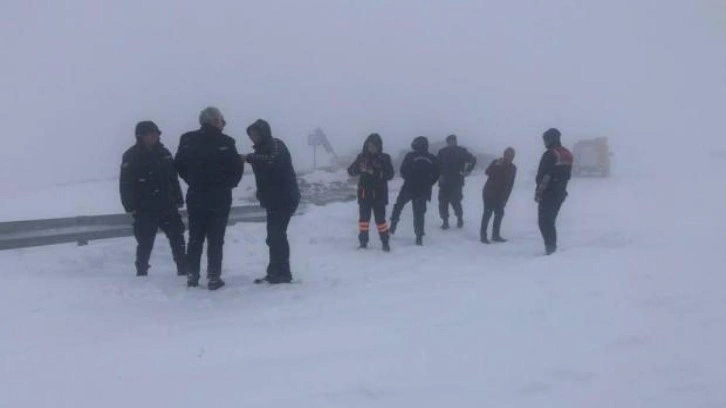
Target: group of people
<point>209,163</point>
<point>421,170</point>
<point>207,160</point>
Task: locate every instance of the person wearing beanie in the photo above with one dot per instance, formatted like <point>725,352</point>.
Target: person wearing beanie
<point>374,170</point>
<point>420,171</point>
<point>501,174</point>
<point>278,193</point>
<point>208,161</point>
<point>553,175</point>
<point>456,163</point>
<point>150,192</point>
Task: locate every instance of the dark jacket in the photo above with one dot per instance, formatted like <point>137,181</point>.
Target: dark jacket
<point>555,169</point>
<point>375,170</point>
<point>420,169</point>
<point>500,182</point>
<point>455,162</point>
<point>277,187</point>
<point>208,161</point>
<point>148,180</point>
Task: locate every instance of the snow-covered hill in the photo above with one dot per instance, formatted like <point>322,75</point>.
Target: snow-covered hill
<point>630,313</point>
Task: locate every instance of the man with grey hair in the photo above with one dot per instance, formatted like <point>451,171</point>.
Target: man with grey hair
<point>208,161</point>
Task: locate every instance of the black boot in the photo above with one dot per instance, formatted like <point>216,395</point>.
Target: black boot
<point>392,229</point>
<point>363,239</point>
<point>385,243</point>
<point>142,270</point>
<point>551,249</point>
<point>419,240</point>
<point>460,223</point>
<point>192,280</point>
<point>498,238</point>
<point>484,239</point>
<point>445,225</point>
<point>215,283</point>
<point>181,268</point>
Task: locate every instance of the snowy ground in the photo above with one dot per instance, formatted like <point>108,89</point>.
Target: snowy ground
<point>631,313</point>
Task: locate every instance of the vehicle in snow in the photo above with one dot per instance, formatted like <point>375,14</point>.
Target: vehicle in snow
<point>592,158</point>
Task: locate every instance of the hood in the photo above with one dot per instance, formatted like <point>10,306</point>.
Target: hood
<point>451,140</point>
<point>552,138</point>
<point>373,138</point>
<point>262,128</point>
<point>420,144</point>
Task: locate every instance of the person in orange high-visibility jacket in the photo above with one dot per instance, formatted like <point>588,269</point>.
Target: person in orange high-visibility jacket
<point>374,169</point>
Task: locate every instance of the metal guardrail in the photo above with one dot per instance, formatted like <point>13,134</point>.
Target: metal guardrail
<point>83,229</point>
<point>24,234</point>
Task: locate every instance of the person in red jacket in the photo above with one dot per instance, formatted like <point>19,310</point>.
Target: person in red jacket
<point>555,169</point>
<point>497,189</point>
<point>374,169</point>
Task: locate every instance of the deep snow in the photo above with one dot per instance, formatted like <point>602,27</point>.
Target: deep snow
<point>630,313</point>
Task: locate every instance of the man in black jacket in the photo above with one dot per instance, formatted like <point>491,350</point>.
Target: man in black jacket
<point>374,169</point>
<point>278,193</point>
<point>501,174</point>
<point>555,169</point>
<point>150,192</point>
<point>420,171</point>
<point>209,163</point>
<point>456,163</point>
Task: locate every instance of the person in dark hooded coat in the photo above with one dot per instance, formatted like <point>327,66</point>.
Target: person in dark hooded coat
<point>150,191</point>
<point>420,171</point>
<point>553,175</point>
<point>278,192</point>
<point>374,169</point>
<point>208,161</point>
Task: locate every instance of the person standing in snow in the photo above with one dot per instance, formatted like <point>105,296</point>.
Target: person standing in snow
<point>278,192</point>
<point>501,173</point>
<point>374,169</point>
<point>420,171</point>
<point>456,163</point>
<point>208,161</point>
<point>150,191</point>
<point>555,169</point>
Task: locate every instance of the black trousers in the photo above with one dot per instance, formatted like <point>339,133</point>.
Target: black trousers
<point>450,194</point>
<point>379,211</point>
<point>549,208</point>
<point>496,208</point>
<point>147,224</point>
<point>277,223</point>
<point>210,225</point>
<point>419,210</point>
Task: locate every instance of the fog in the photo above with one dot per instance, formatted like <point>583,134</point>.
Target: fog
<point>76,76</point>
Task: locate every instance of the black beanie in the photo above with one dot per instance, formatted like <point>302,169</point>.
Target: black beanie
<point>551,137</point>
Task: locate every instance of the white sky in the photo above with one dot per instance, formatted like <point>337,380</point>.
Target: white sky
<point>77,75</point>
